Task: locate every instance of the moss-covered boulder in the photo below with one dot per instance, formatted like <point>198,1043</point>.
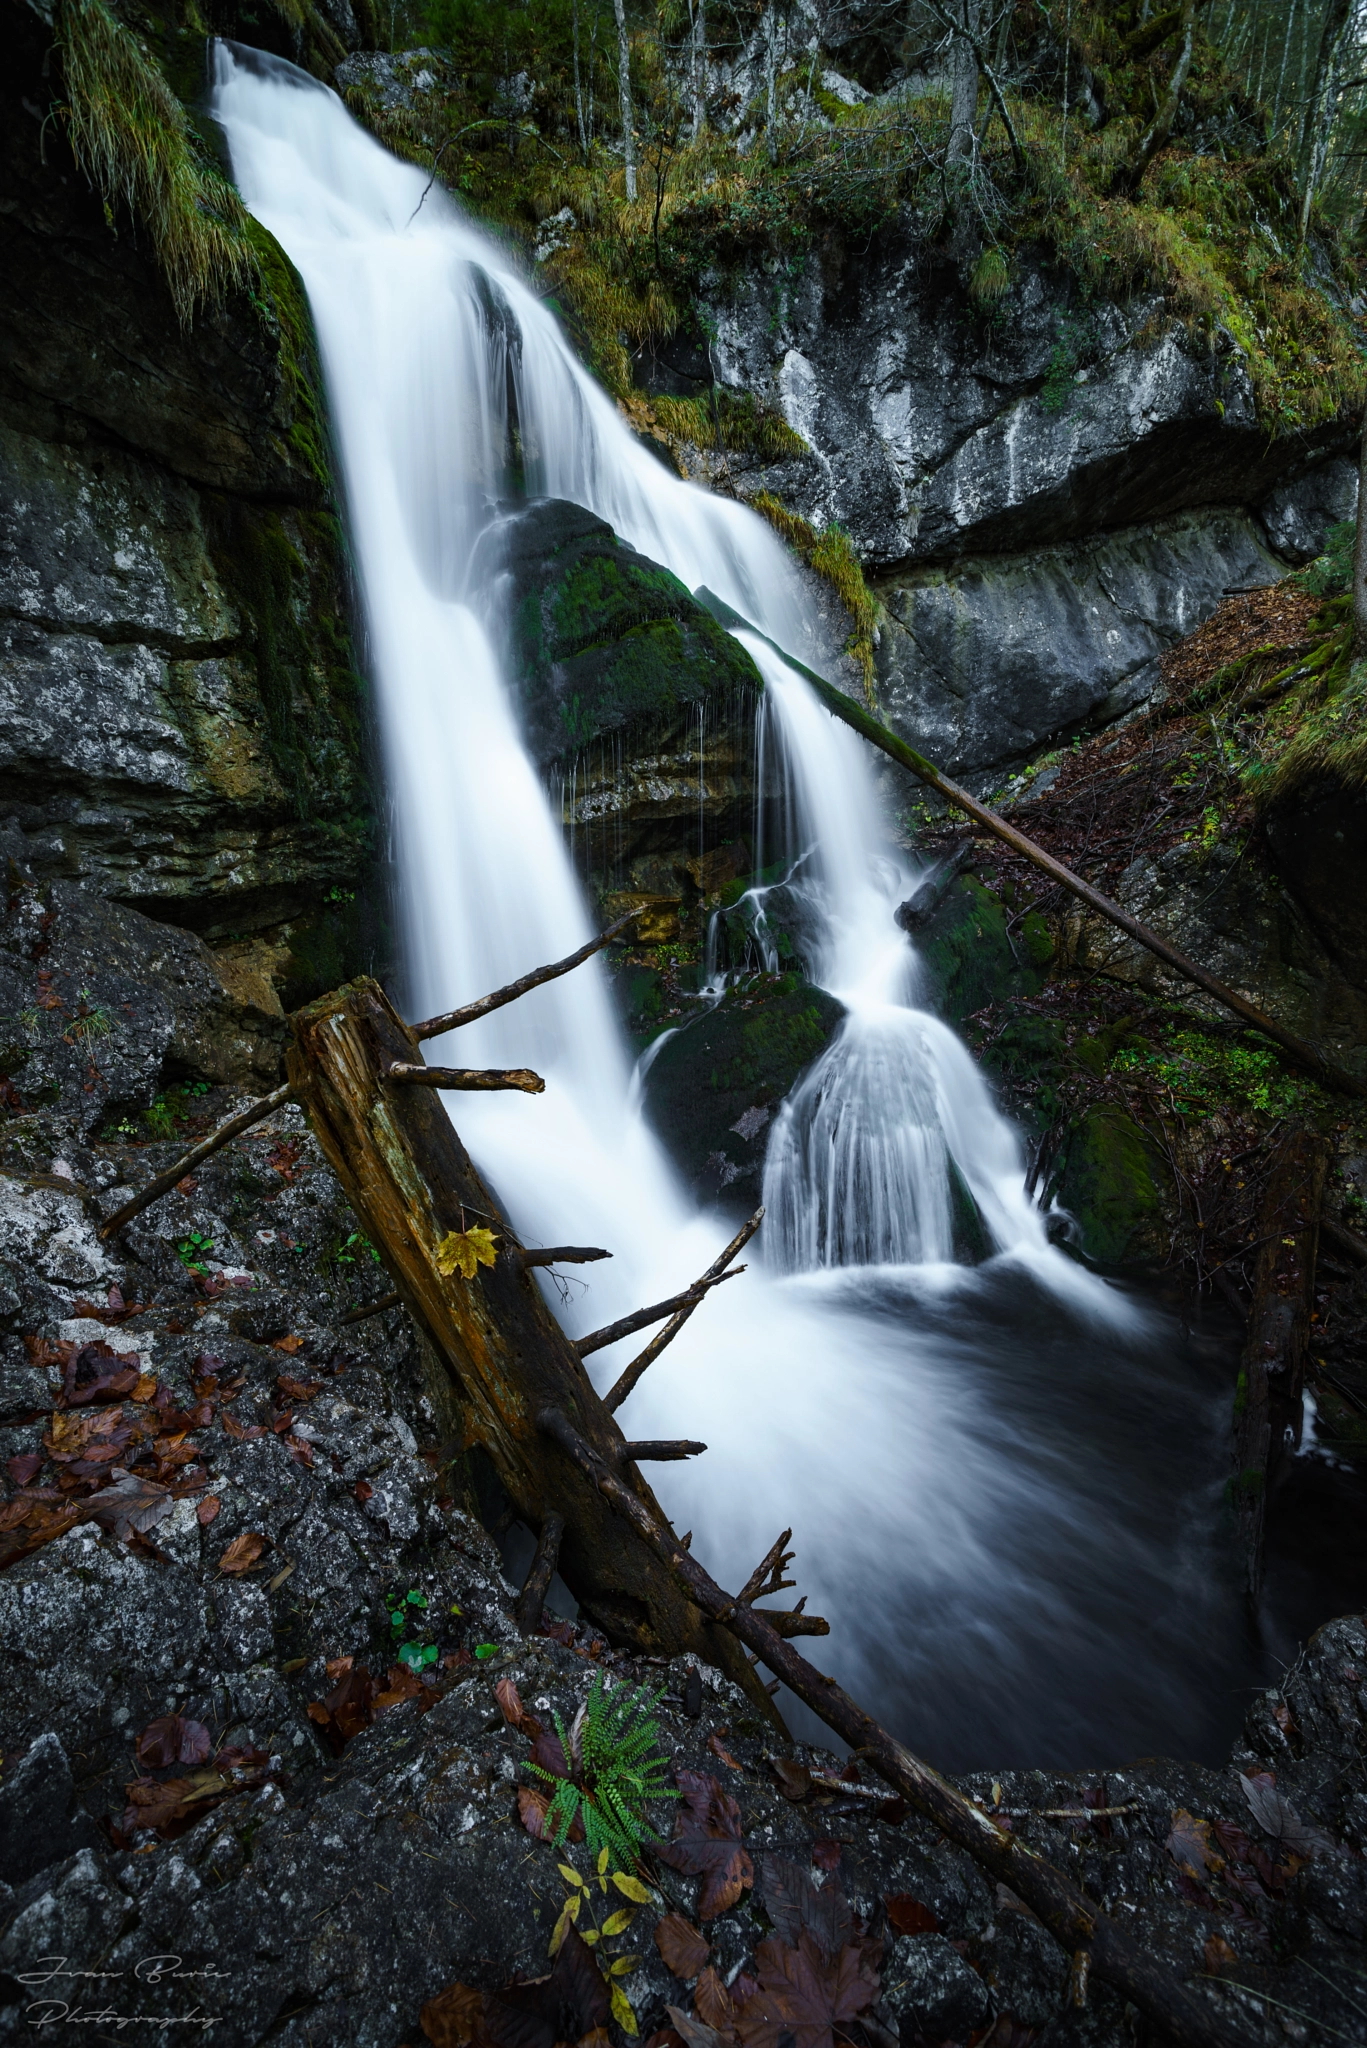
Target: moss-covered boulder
<point>1115,1184</point>
<point>969,954</point>
<point>714,1086</point>
<point>602,639</point>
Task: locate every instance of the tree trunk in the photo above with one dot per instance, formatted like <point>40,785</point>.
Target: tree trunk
<point>410,1180</point>
<point>1319,112</point>
<point>624,96</point>
<point>1272,1371</point>
<point>697,62</point>
<point>1360,552</point>
<point>963,105</point>
<point>578,92</point>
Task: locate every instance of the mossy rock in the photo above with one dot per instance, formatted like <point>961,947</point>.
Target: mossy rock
<point>603,639</point>
<point>734,1065</point>
<point>970,959</point>
<point>1116,1185</point>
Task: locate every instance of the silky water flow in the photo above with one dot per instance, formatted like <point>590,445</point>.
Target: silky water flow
<point>1002,1479</point>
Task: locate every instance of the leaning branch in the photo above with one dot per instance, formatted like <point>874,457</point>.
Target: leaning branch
<point>642,1318</point>
<point>628,1378</point>
<point>254,1113</point>
<point>471,1012</point>
<point>1305,1055</point>
<point>474,1080</point>
<point>1075,1921</point>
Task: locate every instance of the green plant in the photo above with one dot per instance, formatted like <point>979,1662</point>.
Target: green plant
<point>131,137</point>
<point>615,1770</point>
<point>193,1250</point>
<point>353,1249</point>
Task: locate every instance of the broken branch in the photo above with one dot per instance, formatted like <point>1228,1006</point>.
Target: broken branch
<point>767,1577</point>
<point>535,1586</point>
<point>791,1621</point>
<point>1074,1921</point>
<point>662,1450</point>
<point>370,1308</point>
<point>254,1113</point>
<point>642,1318</point>
<point>558,1255</point>
<point>470,1012</point>
<point>630,1374</point>
<point>473,1079</point>
<point>1305,1055</point>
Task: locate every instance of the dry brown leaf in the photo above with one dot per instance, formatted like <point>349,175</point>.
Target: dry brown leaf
<point>453,2017</point>
<point>683,1949</point>
<point>712,2002</point>
<point>243,1552</point>
<point>207,1509</point>
<point>907,1915</point>
<point>707,1843</point>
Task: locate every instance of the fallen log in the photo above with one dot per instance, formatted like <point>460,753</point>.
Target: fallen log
<point>412,1185</point>
<point>861,721</point>
<point>642,1318</point>
<point>255,1113</point>
<point>1074,1920</point>
<point>630,1375</point>
<point>474,1080</point>
<point>470,1013</point>
<point>1272,1368</point>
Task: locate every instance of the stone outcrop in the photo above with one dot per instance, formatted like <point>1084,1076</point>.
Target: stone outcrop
<point>184,727</point>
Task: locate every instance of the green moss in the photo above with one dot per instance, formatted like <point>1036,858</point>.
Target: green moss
<point>1116,1185</point>
<point>831,554</point>
<point>283,304</point>
<point>747,426</point>
<point>131,137</point>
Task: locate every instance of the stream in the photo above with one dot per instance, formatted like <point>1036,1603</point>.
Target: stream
<point>1004,1480</point>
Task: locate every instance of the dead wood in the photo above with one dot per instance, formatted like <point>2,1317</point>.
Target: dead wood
<point>630,1374</point>
<point>475,1080</point>
<point>1074,1920</point>
<point>412,1184</point>
<point>767,1577</point>
<point>1272,1370</point>
<point>662,1450</point>
<point>532,1598</point>
<point>854,715</point>
<point>791,1621</point>
<point>642,1318</point>
<point>370,1308</point>
<point>471,1012</point>
<point>254,1113</point>
<point>558,1254</point>
<point>1344,1240</point>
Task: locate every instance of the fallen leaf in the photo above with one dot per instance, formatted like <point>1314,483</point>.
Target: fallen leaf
<point>1191,1847</point>
<point>297,1390</point>
<point>682,1949</point>
<point>363,1491</point>
<point>464,1251</point>
<point>145,1390</point>
<point>794,1779</point>
<point>712,2002</point>
<point>566,2006</point>
<point>300,1450</point>
<point>693,2033</point>
<point>243,1552</point>
<point>826,1855</point>
<point>240,1432</point>
<point>510,1703</point>
<point>207,1509</point>
<point>1219,1955</point>
<point>531,1811</point>
<point>348,1708</point>
<point>621,2010</point>
<point>402,1683</point>
<point>796,1907</point>
<point>289,1344</point>
<point>907,1915</point>
<point>24,1467</point>
<point>1279,1819</point>
<point>453,2017</point>
<point>805,1994</point>
<point>173,1740</point>
<point>130,1506</point>
<point>707,1843</point>
<point>719,1749</point>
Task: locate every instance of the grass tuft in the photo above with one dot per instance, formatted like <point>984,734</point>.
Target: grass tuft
<point>831,554</point>
<point>131,137</point>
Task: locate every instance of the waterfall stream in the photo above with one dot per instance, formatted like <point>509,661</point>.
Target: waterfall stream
<point>1003,1480</point>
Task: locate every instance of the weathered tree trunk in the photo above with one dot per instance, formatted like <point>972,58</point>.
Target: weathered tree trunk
<point>624,96</point>
<point>697,67</point>
<point>1319,111</point>
<point>1160,127</point>
<point>1272,1372</point>
<point>1360,553</point>
<point>411,1182</point>
<point>963,104</point>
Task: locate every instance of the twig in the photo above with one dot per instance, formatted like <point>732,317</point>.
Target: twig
<point>642,1318</point>
<point>254,1113</point>
<point>470,1012</point>
<point>477,1080</point>
<point>1074,1921</point>
<point>628,1378</point>
<point>662,1450</point>
<point>535,1586</point>
<point>558,1254</point>
<point>370,1308</point>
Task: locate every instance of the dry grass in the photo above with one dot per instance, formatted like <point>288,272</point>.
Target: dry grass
<point>131,137</point>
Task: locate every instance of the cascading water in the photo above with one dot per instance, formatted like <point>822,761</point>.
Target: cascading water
<point>1000,1477</point>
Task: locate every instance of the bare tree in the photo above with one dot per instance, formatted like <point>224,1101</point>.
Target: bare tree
<point>624,96</point>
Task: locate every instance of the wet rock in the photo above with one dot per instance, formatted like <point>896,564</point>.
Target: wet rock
<point>930,1992</point>
<point>1297,515</point>
<point>37,1822</point>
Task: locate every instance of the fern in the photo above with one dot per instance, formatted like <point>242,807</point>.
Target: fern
<point>615,1770</point>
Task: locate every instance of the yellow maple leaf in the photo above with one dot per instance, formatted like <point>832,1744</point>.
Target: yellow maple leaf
<point>464,1251</point>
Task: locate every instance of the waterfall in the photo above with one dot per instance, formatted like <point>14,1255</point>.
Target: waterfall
<point>927,1428</point>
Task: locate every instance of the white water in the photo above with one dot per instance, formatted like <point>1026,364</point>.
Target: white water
<point>835,1393</point>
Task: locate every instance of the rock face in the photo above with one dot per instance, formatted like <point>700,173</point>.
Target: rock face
<point>184,728</point>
